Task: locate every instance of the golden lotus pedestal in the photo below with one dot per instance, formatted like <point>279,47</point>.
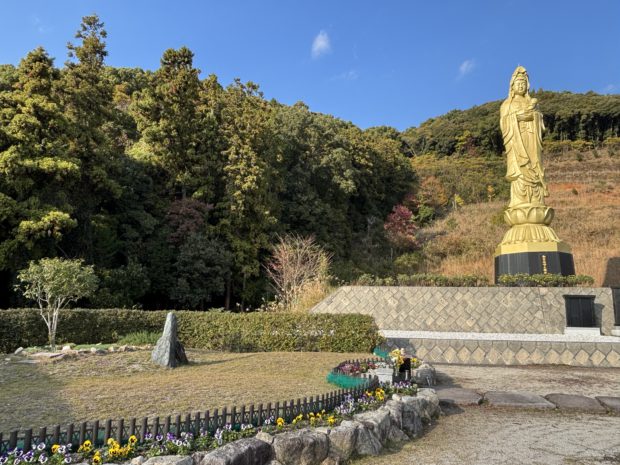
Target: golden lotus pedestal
<point>530,246</point>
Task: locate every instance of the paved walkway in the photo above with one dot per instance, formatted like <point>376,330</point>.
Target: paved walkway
<point>537,379</point>
<point>488,436</point>
<point>533,415</point>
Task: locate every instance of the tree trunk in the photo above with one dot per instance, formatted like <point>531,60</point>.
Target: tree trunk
<point>228,291</point>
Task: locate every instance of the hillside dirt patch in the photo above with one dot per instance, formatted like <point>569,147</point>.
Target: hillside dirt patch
<point>586,199</point>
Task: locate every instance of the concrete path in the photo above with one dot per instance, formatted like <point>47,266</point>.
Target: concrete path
<point>491,418</point>
<point>450,396</point>
<point>493,436</point>
<point>537,379</point>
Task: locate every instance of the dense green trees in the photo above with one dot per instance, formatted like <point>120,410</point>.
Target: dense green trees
<point>475,131</point>
<point>175,188</point>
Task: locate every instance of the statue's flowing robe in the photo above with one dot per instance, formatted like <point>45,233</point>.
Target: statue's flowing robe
<point>523,143</point>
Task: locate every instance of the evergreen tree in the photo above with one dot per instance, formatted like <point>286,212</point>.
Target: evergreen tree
<point>87,98</point>
<point>36,166</point>
<point>246,211</point>
<point>176,130</point>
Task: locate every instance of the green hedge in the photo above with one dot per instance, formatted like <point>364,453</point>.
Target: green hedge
<point>238,332</point>
<point>430,279</point>
<point>544,280</point>
<point>423,279</point>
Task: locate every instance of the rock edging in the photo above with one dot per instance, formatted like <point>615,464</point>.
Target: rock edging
<point>366,433</point>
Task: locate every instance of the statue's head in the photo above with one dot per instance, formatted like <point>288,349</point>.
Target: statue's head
<point>519,83</point>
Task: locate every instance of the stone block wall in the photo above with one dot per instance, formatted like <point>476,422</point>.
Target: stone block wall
<point>525,310</point>
<point>512,352</point>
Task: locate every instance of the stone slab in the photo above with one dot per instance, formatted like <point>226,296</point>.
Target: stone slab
<point>517,400</point>
<point>612,403</point>
<point>457,396</point>
<point>575,402</point>
<point>170,460</point>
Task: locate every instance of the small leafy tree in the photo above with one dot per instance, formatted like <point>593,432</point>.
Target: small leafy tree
<point>297,264</point>
<point>400,228</point>
<point>54,283</point>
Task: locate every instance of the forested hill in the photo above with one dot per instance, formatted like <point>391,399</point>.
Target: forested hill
<point>176,188</point>
<point>589,117</point>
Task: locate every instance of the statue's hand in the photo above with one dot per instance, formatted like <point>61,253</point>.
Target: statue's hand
<point>525,116</point>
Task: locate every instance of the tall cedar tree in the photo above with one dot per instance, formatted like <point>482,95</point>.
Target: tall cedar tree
<point>36,167</point>
<point>87,98</point>
<point>176,130</point>
<point>246,213</point>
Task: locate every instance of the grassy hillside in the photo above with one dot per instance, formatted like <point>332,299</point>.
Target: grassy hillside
<point>585,193</point>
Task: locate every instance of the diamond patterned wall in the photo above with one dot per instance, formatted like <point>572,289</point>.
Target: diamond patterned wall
<point>481,352</point>
<point>466,309</point>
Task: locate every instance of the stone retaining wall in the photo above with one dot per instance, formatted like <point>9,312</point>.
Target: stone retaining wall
<point>467,309</point>
<point>512,352</point>
<point>366,434</point>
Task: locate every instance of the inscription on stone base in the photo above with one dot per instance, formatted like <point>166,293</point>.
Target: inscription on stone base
<point>534,263</point>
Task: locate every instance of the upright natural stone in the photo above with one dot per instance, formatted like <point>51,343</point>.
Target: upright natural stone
<point>248,451</point>
<point>303,447</point>
<point>169,352</point>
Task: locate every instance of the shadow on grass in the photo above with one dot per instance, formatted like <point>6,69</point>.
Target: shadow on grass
<point>29,397</point>
<point>198,363</point>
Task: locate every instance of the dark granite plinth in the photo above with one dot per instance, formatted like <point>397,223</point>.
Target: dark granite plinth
<point>532,263</point>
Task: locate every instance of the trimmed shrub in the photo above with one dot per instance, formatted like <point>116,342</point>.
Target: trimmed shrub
<point>237,332</point>
<point>423,279</point>
<point>544,280</point>
<point>139,338</point>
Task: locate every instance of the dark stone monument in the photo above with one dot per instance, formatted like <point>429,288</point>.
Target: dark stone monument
<point>168,351</point>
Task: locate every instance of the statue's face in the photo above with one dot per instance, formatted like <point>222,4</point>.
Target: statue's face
<point>520,86</point>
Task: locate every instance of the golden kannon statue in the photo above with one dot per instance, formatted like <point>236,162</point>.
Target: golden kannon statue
<point>522,126</point>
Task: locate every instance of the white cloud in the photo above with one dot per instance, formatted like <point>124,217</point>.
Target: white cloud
<point>466,67</point>
<point>609,89</point>
<point>39,26</point>
<point>350,75</point>
<point>320,45</point>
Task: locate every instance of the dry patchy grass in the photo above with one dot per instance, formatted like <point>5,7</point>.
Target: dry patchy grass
<point>129,385</point>
<point>586,198</point>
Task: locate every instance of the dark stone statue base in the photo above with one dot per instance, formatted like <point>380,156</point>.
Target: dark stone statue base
<point>534,263</point>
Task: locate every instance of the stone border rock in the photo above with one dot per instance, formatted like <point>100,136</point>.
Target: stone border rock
<point>20,356</point>
<point>453,396</point>
<point>365,434</point>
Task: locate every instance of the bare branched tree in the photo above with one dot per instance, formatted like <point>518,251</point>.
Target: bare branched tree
<point>297,263</point>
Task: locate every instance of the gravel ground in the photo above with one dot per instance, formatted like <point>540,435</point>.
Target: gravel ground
<point>490,436</point>
<point>538,379</point>
<point>485,436</point>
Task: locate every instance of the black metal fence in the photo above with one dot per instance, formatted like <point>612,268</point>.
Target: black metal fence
<point>99,432</point>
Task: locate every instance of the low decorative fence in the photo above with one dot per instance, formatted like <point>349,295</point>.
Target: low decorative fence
<point>120,430</point>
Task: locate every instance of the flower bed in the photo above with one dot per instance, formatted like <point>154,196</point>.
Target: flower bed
<point>395,366</point>
<point>187,442</point>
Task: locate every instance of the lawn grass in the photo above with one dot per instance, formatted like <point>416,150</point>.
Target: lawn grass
<point>127,384</point>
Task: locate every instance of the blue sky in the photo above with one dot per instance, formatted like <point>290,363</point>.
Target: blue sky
<point>393,63</point>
